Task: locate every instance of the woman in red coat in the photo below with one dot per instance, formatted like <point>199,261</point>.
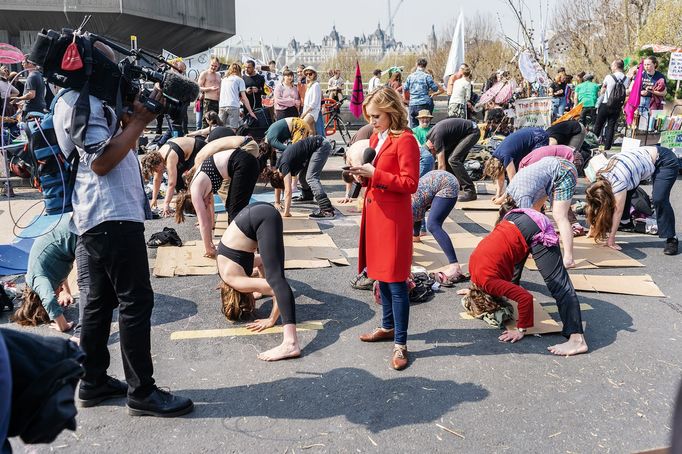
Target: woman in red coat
<point>386,231</point>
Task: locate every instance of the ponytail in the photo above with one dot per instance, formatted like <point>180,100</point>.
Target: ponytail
<point>507,205</point>
<point>183,203</point>
<point>31,312</point>
<point>601,204</point>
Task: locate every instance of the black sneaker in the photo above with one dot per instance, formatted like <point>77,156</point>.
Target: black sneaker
<point>467,197</point>
<point>160,403</point>
<point>111,389</point>
<point>629,227</point>
<point>322,214</point>
<point>671,246</point>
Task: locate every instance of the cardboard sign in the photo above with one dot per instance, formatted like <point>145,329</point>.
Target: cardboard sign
<point>671,139</point>
<point>630,144</point>
<point>533,112</point>
<point>195,63</point>
<point>675,66</point>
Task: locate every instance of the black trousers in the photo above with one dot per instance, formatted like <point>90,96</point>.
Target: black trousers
<point>455,161</point>
<point>119,277</point>
<point>551,267</point>
<point>605,125</point>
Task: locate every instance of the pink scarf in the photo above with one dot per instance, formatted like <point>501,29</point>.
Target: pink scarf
<point>547,234</point>
<point>632,104</point>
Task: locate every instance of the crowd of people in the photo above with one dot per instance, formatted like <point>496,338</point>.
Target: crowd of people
<point>412,178</point>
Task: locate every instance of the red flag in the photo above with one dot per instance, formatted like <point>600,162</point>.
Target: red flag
<point>358,96</point>
<point>632,104</point>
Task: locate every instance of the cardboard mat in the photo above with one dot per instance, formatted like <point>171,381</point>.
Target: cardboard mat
<point>347,209</point>
<point>482,203</point>
<point>240,331</point>
<point>590,255</point>
<point>298,223</point>
<point>485,219</point>
<point>543,323</point>
<point>312,251</point>
<point>640,285</point>
<point>186,260</point>
<point>485,188</point>
<point>429,255</point>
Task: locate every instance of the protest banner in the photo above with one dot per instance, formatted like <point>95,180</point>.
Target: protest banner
<point>195,63</point>
<point>533,112</point>
<point>675,66</point>
<point>671,139</point>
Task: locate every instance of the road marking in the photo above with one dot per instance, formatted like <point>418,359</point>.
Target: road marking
<point>242,331</point>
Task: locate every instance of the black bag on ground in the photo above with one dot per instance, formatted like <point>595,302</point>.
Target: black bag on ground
<point>45,372</point>
<point>167,236</point>
<point>422,290</point>
<point>641,202</point>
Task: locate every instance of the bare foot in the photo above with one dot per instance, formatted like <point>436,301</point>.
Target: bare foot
<point>575,345</point>
<point>416,239</point>
<point>282,351</point>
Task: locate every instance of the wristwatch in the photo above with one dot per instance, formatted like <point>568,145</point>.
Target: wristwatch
<point>521,330</point>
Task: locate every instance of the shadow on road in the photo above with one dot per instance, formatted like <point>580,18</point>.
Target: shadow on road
<point>362,398</point>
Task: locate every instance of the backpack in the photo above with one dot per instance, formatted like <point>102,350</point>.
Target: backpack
<point>617,96</point>
<point>52,173</point>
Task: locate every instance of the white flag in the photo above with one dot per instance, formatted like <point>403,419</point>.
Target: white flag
<point>456,56</point>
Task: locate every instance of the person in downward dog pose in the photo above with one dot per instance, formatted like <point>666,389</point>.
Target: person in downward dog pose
<point>496,265</point>
<point>438,191</point>
<point>258,227</point>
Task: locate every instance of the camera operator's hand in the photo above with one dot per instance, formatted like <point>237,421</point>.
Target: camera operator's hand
<point>140,114</point>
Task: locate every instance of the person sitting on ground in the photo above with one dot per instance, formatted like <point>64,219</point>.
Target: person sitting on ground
<point>570,132</point>
<point>258,227</point>
<point>237,165</point>
<point>608,198</point>
<point>212,119</point>
<point>533,185</point>
<point>451,140</point>
<point>305,158</point>
<point>496,265</point>
<point>438,190</point>
<point>508,155</point>
<point>175,156</point>
<point>47,289</point>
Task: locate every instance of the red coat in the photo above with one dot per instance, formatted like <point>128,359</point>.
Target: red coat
<point>386,230</point>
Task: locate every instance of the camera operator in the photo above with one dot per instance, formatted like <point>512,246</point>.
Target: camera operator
<point>109,210</point>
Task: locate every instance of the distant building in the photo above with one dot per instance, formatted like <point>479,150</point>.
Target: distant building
<point>377,45</point>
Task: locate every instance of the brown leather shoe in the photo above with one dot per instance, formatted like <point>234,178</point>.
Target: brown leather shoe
<point>377,335</point>
<point>400,359</point>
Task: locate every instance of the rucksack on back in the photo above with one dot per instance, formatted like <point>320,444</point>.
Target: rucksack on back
<point>617,96</point>
<point>53,172</point>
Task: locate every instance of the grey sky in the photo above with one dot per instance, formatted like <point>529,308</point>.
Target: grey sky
<point>277,21</point>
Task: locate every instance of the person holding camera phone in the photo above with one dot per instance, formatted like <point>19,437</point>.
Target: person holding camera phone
<point>109,210</point>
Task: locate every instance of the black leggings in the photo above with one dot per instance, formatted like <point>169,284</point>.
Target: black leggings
<point>551,267</point>
<point>243,170</point>
<point>262,223</point>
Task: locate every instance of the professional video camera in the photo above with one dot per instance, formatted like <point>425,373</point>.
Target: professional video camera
<point>71,60</point>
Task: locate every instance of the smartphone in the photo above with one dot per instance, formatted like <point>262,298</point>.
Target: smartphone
<point>346,167</point>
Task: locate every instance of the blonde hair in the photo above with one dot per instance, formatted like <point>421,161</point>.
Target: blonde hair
<point>183,203</point>
<point>31,312</point>
<point>388,100</point>
<point>493,168</point>
<point>234,304</point>
<point>234,69</point>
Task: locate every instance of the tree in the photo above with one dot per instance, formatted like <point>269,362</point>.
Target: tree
<point>663,24</point>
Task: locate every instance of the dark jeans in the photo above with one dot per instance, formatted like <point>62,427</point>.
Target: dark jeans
<point>119,277</point>
<point>605,125</point>
<point>440,209</point>
<point>311,174</point>
<point>395,303</point>
<point>588,116</point>
<point>663,179</point>
<point>414,111</point>
<point>83,281</point>
<point>209,105</point>
<point>551,267</point>
<point>455,161</point>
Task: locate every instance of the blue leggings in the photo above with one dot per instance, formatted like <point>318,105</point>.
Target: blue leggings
<point>395,304</point>
<point>440,208</point>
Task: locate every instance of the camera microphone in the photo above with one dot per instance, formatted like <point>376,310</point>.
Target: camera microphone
<point>179,87</point>
<point>368,155</point>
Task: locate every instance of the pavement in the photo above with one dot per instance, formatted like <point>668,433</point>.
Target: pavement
<point>464,391</point>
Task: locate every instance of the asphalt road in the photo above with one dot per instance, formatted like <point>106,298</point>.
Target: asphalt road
<point>341,396</point>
